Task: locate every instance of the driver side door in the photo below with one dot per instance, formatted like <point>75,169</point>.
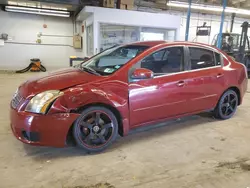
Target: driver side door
<point>165,95</point>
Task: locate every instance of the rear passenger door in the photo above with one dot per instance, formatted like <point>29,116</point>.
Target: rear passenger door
<point>207,65</point>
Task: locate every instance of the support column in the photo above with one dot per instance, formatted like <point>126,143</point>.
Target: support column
<point>219,42</point>
<point>188,20</point>
<point>232,22</point>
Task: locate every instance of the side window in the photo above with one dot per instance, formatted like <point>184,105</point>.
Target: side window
<point>201,58</point>
<point>166,61</point>
<point>218,59</point>
<point>158,56</point>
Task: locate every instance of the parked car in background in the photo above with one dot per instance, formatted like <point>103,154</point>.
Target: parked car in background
<point>123,88</point>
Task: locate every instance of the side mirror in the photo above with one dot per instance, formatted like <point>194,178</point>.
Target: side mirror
<point>142,73</point>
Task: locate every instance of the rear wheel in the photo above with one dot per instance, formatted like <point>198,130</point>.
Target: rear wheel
<point>227,105</point>
<point>95,129</point>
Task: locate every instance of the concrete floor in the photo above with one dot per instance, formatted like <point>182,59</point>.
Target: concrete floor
<point>193,152</point>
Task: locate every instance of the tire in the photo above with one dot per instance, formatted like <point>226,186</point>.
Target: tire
<point>227,105</point>
<point>93,132</point>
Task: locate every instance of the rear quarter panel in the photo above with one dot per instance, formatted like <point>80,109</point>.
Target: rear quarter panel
<point>235,75</point>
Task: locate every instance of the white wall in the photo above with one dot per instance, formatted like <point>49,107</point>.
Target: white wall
<point>135,18</point>
<point>129,18</point>
<point>87,22</point>
<point>23,28</point>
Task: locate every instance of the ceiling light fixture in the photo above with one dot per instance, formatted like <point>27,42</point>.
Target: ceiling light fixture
<point>37,11</point>
<point>237,11</point>
<point>208,7</point>
<point>194,6</point>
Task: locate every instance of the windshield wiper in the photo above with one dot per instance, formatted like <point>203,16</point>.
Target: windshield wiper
<point>90,70</point>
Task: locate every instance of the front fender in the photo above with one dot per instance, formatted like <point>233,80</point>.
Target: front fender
<point>77,97</point>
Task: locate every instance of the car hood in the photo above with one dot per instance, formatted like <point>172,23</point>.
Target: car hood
<point>57,80</point>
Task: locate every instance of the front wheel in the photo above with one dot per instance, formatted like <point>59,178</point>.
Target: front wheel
<point>227,105</point>
<point>95,129</point>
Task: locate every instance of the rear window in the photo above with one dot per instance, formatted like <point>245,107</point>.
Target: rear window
<point>201,58</point>
<point>217,59</point>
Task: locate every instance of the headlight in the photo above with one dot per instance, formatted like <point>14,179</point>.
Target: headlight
<point>41,102</point>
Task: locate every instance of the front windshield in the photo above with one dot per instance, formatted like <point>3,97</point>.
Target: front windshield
<point>109,61</point>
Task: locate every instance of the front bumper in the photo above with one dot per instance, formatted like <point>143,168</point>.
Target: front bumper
<point>43,130</point>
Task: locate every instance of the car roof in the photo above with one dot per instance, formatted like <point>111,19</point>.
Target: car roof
<point>149,43</point>
<point>162,42</point>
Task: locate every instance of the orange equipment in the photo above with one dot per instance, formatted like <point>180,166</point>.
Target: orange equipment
<point>34,66</point>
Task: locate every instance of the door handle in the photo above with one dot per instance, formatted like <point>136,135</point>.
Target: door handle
<point>180,84</point>
<point>219,75</point>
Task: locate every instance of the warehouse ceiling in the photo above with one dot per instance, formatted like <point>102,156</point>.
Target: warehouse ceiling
<point>76,5</point>
<point>156,5</point>
<point>244,4</point>
<point>70,5</point>
<point>233,3</point>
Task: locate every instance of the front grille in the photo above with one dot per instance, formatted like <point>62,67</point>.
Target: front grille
<point>16,100</point>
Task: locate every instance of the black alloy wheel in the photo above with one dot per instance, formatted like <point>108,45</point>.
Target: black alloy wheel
<point>95,129</point>
<point>227,105</point>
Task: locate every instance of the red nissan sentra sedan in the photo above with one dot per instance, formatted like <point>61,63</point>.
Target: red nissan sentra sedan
<point>126,87</point>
